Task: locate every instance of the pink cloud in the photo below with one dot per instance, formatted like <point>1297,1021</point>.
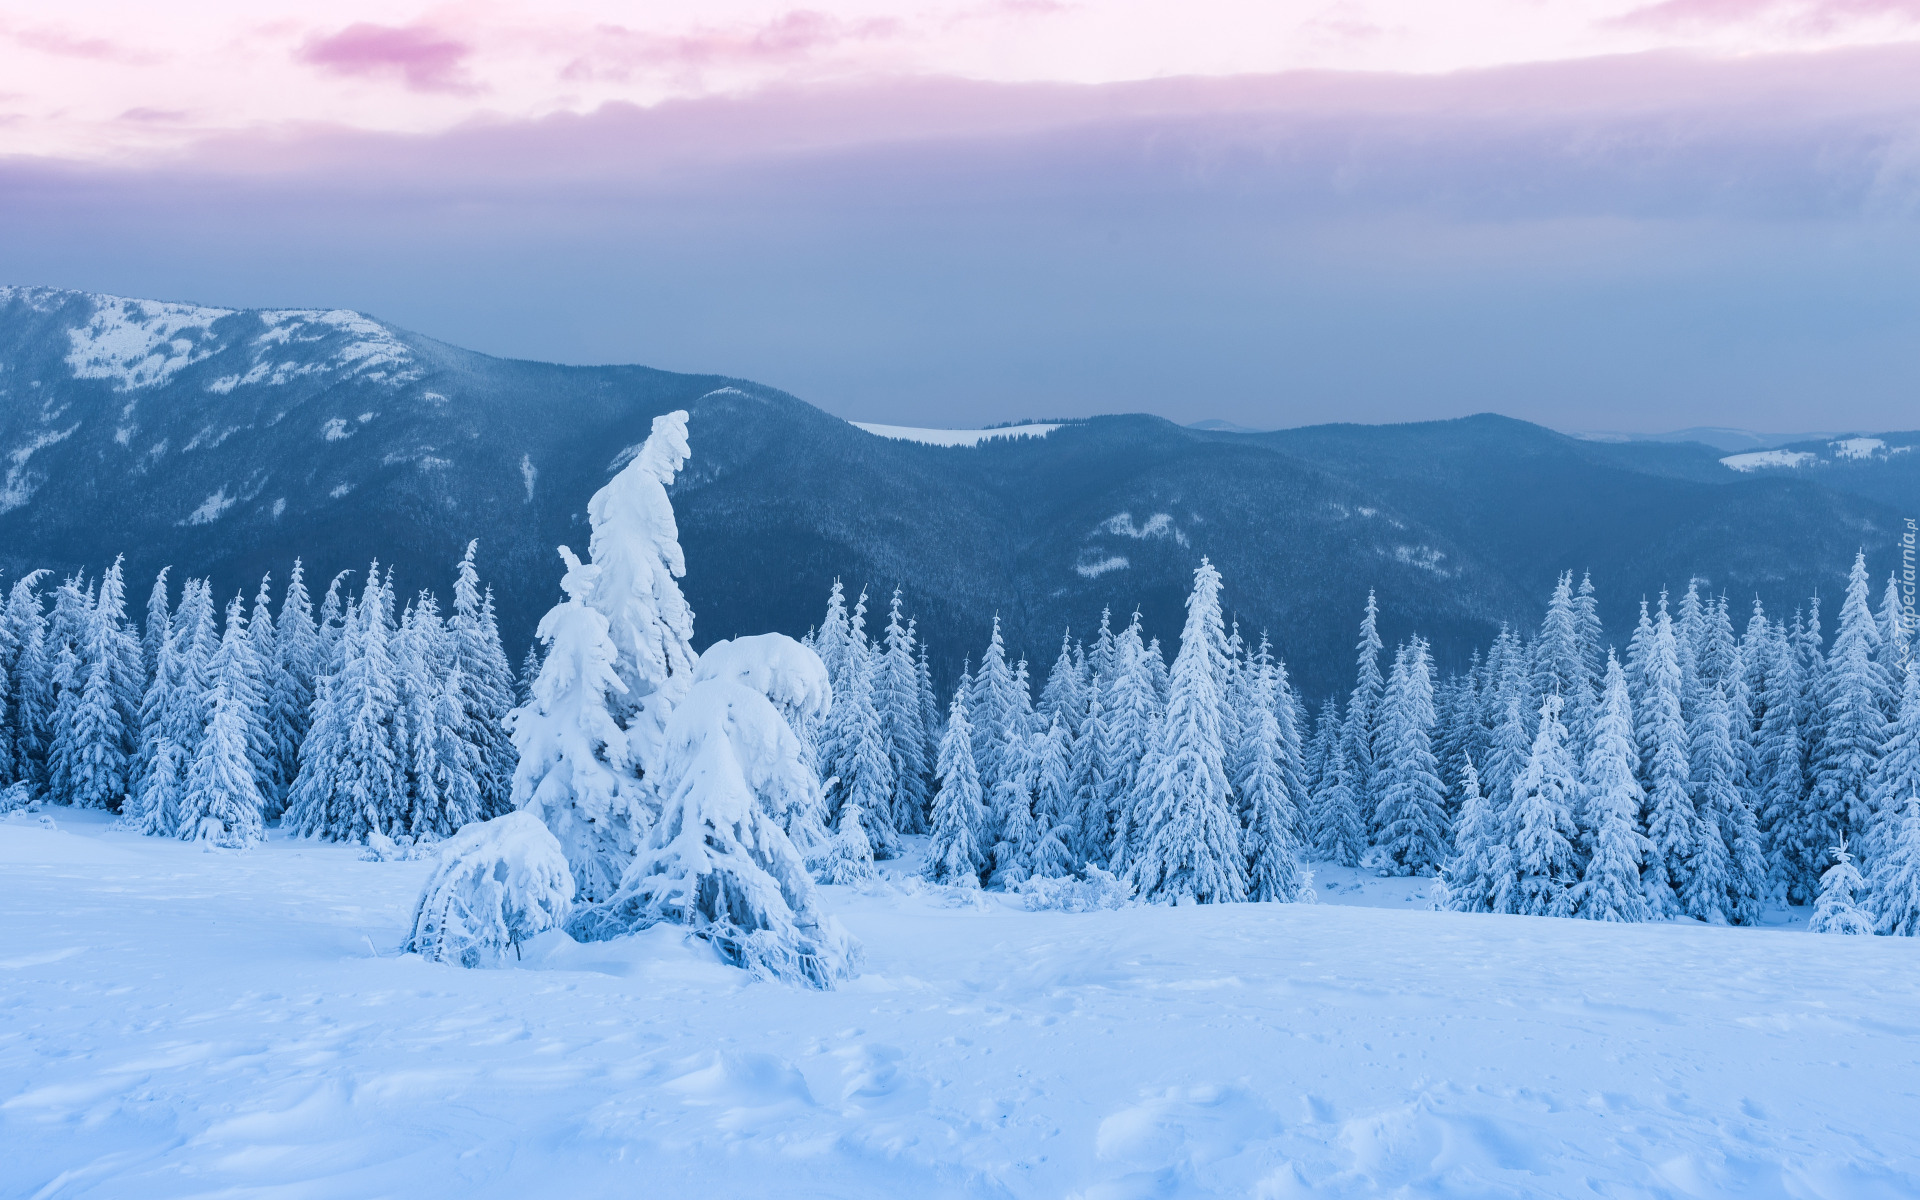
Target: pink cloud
<point>66,45</point>
<point>1807,16</point>
<point>790,37</point>
<point>425,59</point>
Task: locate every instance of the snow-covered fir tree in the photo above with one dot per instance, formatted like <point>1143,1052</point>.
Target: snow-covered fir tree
<point>1854,701</point>
<point>1269,816</point>
<point>220,802</point>
<point>1363,712</point>
<point>902,724</point>
<point>1896,878</point>
<point>854,751</point>
<point>1482,860</point>
<point>1411,816</point>
<point>1672,825</point>
<point>956,851</point>
<point>1837,910</point>
<point>1609,814</point>
<point>1189,839</point>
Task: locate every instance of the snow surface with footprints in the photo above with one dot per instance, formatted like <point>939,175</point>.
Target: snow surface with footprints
<point>175,1022</point>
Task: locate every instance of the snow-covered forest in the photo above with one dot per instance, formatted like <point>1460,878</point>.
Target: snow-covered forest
<point>1703,772</point>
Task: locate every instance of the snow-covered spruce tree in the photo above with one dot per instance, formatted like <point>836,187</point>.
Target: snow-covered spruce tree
<point>1610,888</point>
<point>897,699</point>
<point>167,714</point>
<point>1780,770</point>
<point>1509,745</point>
<point>1854,700</point>
<point>1896,878</point>
<point>1189,836</point>
<point>220,802</point>
<point>1896,634</point>
<point>330,628</point>
<point>574,772</point>
<point>933,719</point>
<point>28,670</point>
<point>1363,713</point>
<point>498,885</point>
<point>1090,787</point>
<point>1290,717</point>
<point>1056,816</point>
<point>854,751</point>
<point>998,713</point>
<point>298,648</point>
<point>957,851</point>
<point>796,685</point>
<point>1412,813</point>
<point>1010,813</point>
<point>263,732</point>
<point>1837,910</point>
<point>529,671</point>
<point>1065,693</point>
<point>437,763</point>
<point>849,855</point>
<point>636,550</point>
<point>1133,722</point>
<point>1269,819</point>
<point>1339,836</point>
<point>91,744</point>
<point>1560,664</point>
<point>1481,860</point>
<point>1711,778</point>
<point>486,686</point>
<point>350,781</point>
<point>717,861</point>
<point>1545,867</point>
<point>1672,825</point>
<point>114,638</point>
<point>1896,775</point>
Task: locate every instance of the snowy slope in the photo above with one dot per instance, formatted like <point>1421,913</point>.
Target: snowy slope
<point>181,1023</point>
<point>952,437</point>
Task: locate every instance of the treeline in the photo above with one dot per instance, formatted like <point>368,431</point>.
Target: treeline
<point>364,718</point>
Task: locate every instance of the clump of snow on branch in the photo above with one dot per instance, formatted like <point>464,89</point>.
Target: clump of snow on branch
<point>499,883</point>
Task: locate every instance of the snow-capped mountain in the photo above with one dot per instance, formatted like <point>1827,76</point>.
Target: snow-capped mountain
<point>227,441</point>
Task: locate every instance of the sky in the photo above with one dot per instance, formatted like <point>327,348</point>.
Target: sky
<point>1596,214</point>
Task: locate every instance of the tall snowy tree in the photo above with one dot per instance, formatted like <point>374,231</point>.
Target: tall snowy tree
<point>350,782</point>
<point>1896,878</point>
<point>1673,828</point>
<point>1363,712</point>
<point>1337,833</point>
<point>1412,812</point>
<point>1189,837</point>
<point>854,752</point>
<point>1269,816</point>
<point>1544,866</point>
<point>220,801</point>
<point>1482,861</point>
<point>1560,664</point>
<point>1133,720</point>
<point>1064,695</point>
<point>1896,774</point>
<point>957,851</point>
<point>1712,779</point>
<point>1052,854</point>
<point>574,772</point>
<point>897,698</point>
<point>1854,700</point>
<point>1609,815</point>
<point>297,646</point>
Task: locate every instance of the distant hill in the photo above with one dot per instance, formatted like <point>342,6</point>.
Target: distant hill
<point>227,441</point>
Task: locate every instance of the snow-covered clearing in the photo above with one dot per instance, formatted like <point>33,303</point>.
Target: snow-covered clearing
<point>175,1022</point>
<point>1755,460</point>
<point>953,437</point>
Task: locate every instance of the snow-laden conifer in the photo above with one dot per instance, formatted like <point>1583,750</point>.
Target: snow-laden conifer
<point>1189,836</point>
<point>1482,861</point>
<point>854,751</point>
<point>1411,816</point>
<point>486,683</point>
<point>1560,664</point>
<point>497,885</point>
<point>956,851</point>
<point>1064,696</point>
<point>220,802</point>
<point>1896,774</point>
<point>1837,910</point>
<point>1544,866</point>
<point>1052,852</point>
<point>350,781</point>
<point>1337,833</point>
<point>897,699</point>
<point>849,856</point>
<point>1896,878</point>
<point>574,770</point>
<point>1609,815</point>
<point>1269,816</point>
<point>1363,712</point>
<point>718,861</point>
<point>1090,787</point>
<point>1854,700</point>
<point>1673,828</point>
<point>1133,722</point>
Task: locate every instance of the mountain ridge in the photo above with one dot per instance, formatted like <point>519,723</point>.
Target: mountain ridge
<point>226,441</point>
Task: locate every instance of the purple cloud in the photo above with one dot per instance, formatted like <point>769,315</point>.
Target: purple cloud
<point>1805,16</point>
<point>424,58</point>
<point>617,51</point>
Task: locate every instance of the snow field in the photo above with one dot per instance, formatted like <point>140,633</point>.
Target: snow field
<point>177,1022</point>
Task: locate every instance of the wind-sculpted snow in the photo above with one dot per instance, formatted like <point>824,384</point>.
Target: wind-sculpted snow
<point>141,343</point>
<point>180,1022</point>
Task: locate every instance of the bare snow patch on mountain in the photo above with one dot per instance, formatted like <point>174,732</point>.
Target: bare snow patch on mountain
<point>335,430</point>
<point>1424,557</point>
<point>1097,568</point>
<point>20,482</point>
<point>530,473</point>
<point>1860,447</point>
<point>212,508</point>
<point>1756,460</point>
<point>140,343</point>
<point>1159,525</point>
<point>952,437</point>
